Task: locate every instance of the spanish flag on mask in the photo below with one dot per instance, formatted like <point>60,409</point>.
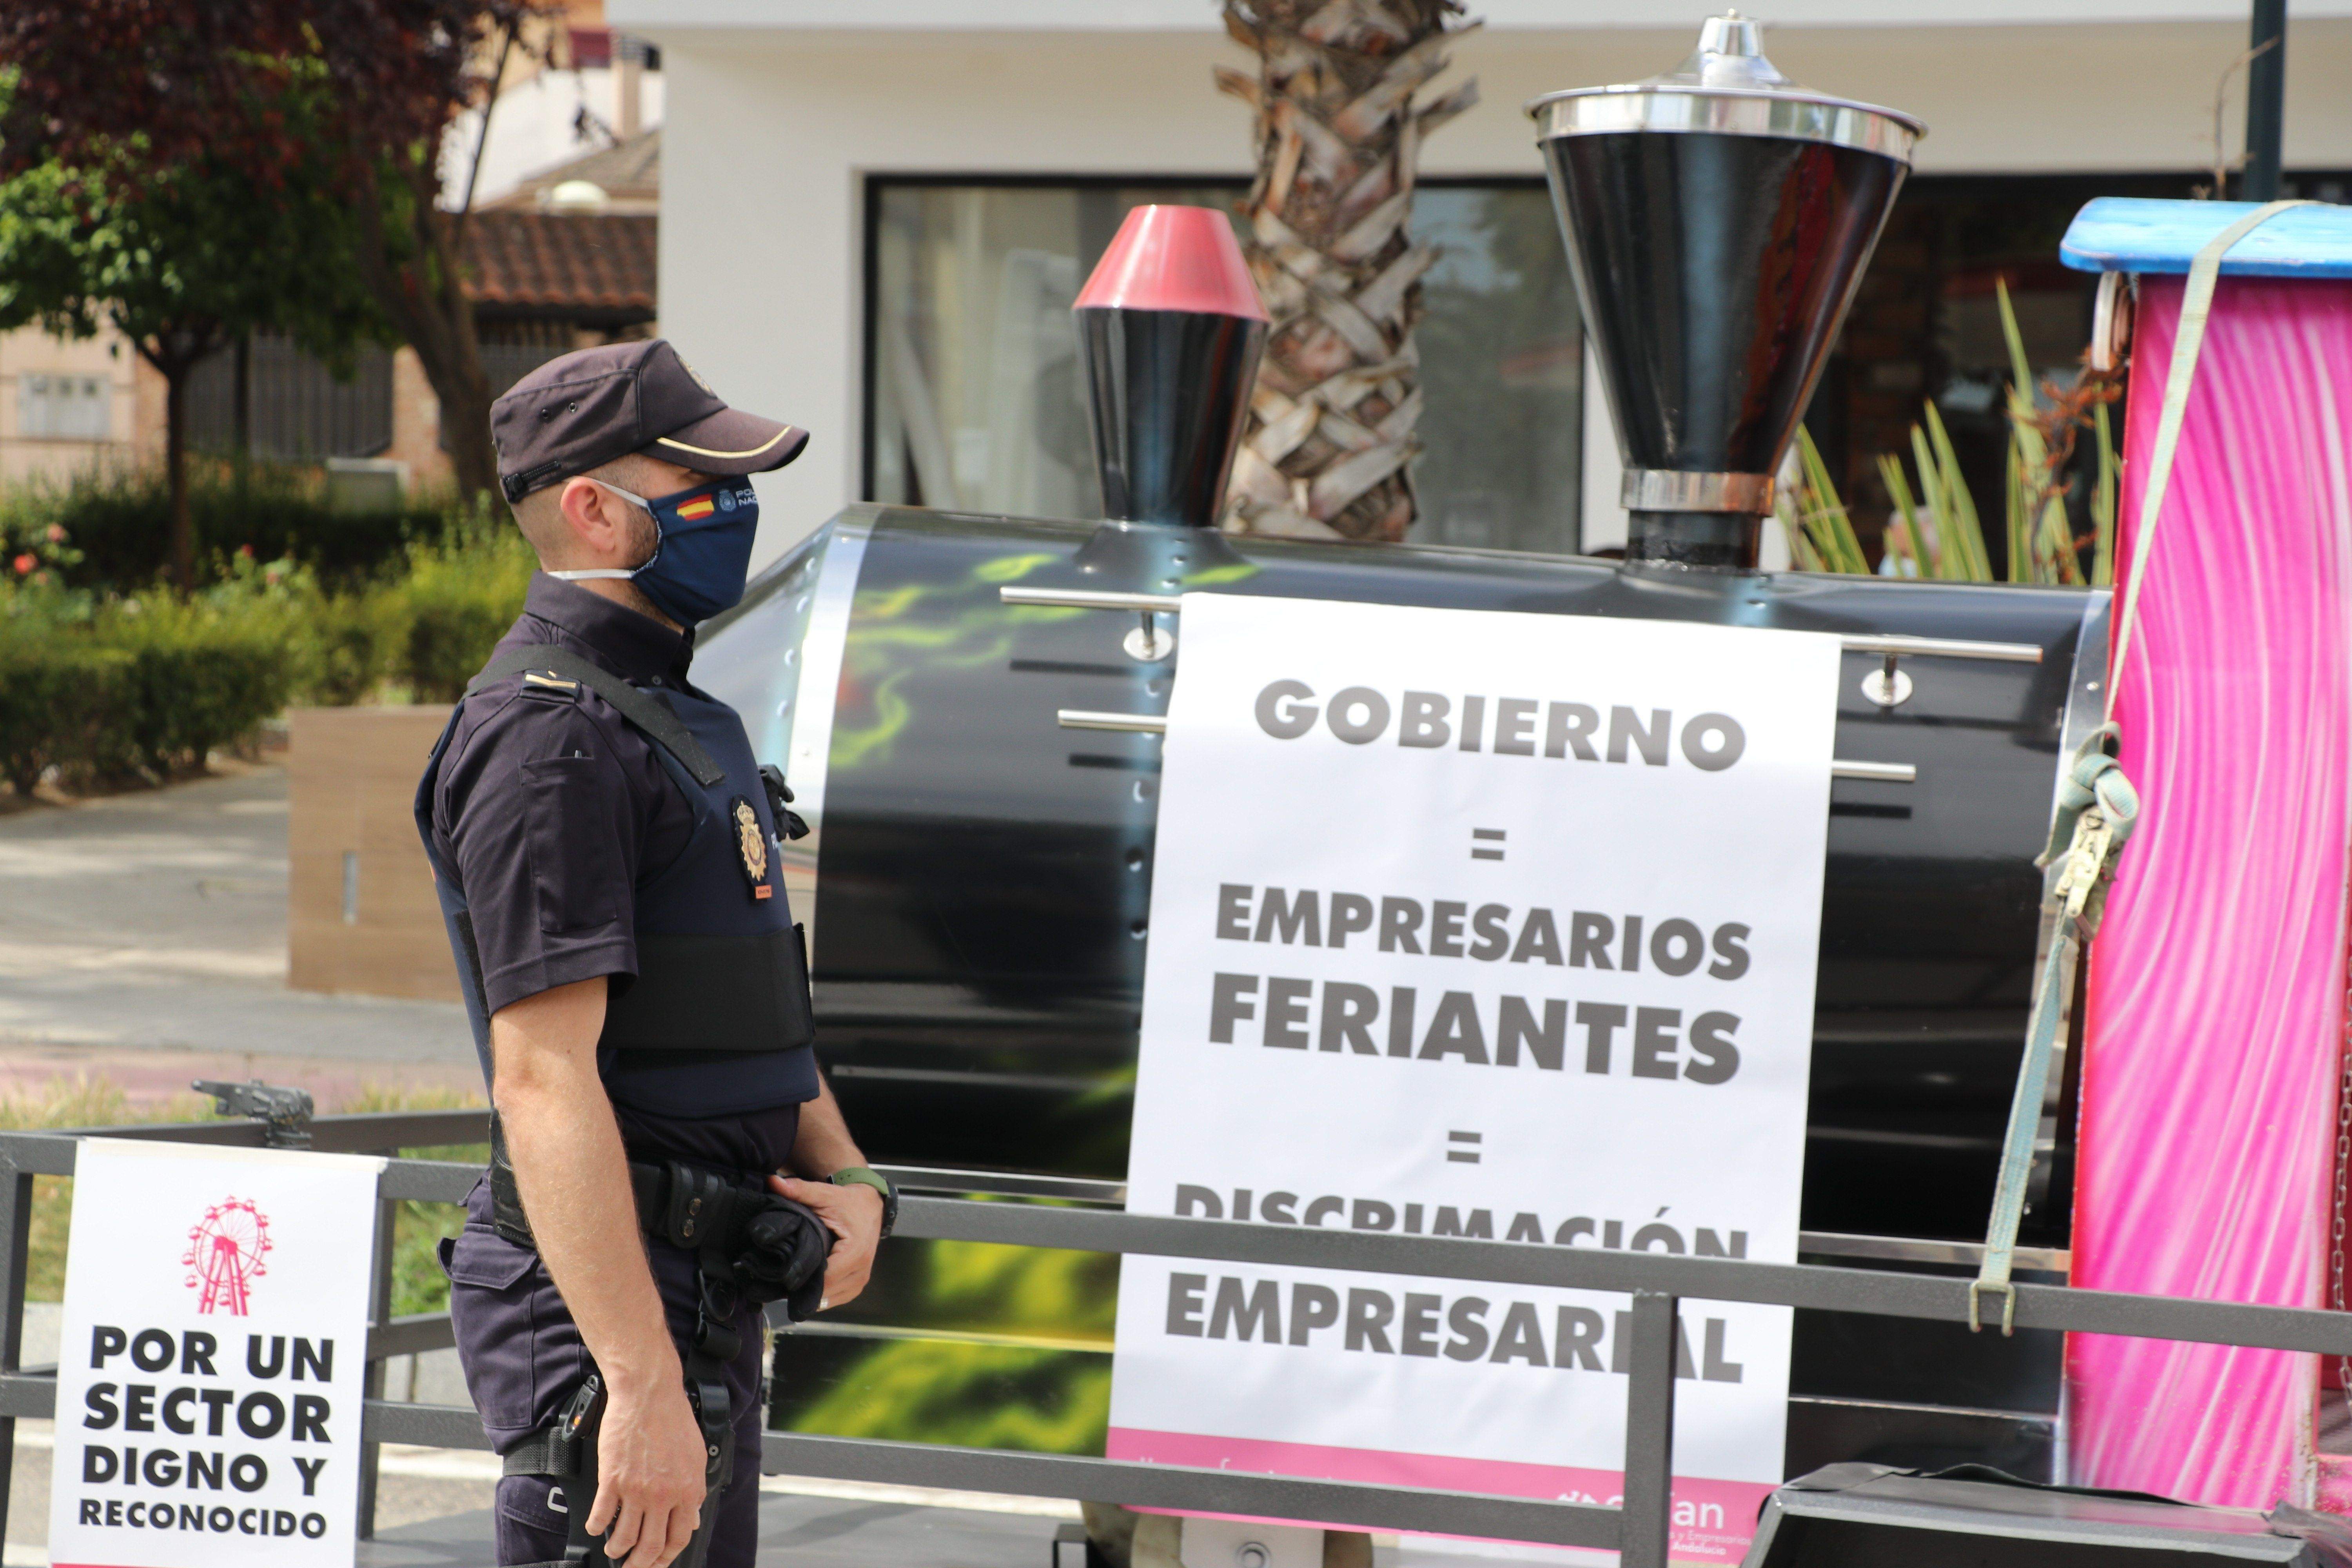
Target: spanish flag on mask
<point>699,507</point>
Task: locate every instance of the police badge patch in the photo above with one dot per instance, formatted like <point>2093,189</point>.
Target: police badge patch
<point>752,840</point>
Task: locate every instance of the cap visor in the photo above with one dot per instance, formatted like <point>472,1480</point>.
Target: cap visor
<point>730,442</point>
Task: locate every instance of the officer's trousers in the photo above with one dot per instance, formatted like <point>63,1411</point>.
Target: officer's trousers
<point>523,1359</point>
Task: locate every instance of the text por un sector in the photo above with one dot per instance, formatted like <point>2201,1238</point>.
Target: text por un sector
<point>185,1401</point>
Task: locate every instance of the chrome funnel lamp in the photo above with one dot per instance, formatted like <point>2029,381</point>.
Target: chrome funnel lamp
<point>1718,219</point>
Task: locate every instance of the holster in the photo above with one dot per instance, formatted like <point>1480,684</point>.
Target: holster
<point>750,1245</point>
<point>566,1454</point>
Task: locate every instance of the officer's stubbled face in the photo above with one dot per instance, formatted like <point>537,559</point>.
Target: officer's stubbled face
<point>579,523</point>
<point>655,479</point>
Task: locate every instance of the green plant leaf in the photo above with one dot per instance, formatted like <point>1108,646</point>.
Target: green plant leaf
<point>1890,469</point>
<point>2103,502</point>
<point>1974,563</point>
<point>1825,514</point>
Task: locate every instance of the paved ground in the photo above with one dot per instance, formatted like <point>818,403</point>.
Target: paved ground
<point>795,1531</point>
<point>433,1511</point>
<point>144,937</point>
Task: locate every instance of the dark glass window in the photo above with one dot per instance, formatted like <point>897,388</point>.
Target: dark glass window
<point>295,409</point>
<point>975,397</point>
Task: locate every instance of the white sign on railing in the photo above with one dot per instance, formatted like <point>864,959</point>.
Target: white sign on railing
<point>212,1357</point>
<point>1471,923</point>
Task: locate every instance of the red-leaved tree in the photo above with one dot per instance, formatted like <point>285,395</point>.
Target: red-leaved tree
<point>175,82</point>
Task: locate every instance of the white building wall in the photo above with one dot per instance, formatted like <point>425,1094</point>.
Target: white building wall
<point>773,128</point>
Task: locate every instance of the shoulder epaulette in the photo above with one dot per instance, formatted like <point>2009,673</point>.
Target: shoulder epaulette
<point>548,664</point>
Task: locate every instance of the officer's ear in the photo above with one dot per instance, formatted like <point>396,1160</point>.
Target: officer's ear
<point>600,527</point>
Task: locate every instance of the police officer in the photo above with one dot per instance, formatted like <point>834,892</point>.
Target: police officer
<point>605,847</point>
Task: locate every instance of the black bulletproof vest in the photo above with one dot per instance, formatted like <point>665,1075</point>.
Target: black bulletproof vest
<point>716,1022</point>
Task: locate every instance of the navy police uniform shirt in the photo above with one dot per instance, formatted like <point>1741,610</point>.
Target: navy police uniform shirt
<point>553,808</point>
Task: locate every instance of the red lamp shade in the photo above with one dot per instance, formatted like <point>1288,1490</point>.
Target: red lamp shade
<point>1174,259</point>
<point>1170,327</point>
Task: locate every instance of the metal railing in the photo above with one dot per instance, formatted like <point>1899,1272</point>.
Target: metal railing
<point>1639,1526</point>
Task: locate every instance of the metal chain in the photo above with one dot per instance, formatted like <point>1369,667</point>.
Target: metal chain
<point>2336,1284</point>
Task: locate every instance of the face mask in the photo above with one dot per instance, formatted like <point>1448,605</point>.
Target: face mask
<point>702,552</point>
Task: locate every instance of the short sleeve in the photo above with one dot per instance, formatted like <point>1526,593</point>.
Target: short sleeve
<point>544,825</point>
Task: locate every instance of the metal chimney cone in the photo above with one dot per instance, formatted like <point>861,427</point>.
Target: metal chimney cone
<point>1718,219</point>
<point>1171,328</point>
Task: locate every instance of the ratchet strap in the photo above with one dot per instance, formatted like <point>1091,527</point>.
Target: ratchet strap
<point>2097,807</point>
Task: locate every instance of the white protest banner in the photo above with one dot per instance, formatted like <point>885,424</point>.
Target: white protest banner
<point>212,1358</point>
<point>1484,924</point>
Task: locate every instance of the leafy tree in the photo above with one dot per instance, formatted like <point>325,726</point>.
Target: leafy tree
<point>183,260</point>
<point>184,84</point>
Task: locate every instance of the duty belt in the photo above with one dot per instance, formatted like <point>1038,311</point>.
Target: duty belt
<point>765,1246</point>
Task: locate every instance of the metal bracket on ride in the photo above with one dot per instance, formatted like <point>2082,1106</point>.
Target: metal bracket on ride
<point>2008,1304</point>
<point>1887,686</point>
<point>1150,642</point>
<point>284,1113</point>
<point>2098,809</point>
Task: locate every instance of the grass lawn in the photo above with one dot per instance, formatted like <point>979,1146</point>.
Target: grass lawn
<point>417,1282</point>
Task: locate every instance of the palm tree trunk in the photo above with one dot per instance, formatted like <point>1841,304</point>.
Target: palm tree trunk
<point>1327,448</point>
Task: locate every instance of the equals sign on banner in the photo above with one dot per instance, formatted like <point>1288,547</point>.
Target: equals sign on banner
<point>1486,844</point>
<point>1460,1155</point>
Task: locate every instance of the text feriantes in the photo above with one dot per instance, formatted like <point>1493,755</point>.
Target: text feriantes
<point>1343,1016</point>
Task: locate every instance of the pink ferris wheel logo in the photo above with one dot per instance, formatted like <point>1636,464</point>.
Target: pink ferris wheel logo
<point>223,1255</point>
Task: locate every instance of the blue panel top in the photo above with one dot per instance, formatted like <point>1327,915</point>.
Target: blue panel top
<point>2133,234</point>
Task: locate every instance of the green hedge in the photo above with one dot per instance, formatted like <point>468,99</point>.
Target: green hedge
<point>196,679</point>
<point>120,526</point>
<point>116,690</point>
<point>131,696</point>
<point>419,635</point>
<point>63,702</point>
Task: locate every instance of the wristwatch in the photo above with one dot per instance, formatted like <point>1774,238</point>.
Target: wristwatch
<point>866,1176</point>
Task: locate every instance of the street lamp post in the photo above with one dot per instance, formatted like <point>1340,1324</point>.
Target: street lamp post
<point>2266,101</point>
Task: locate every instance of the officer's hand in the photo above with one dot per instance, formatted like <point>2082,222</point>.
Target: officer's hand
<point>649,1476</point>
<point>854,1215</point>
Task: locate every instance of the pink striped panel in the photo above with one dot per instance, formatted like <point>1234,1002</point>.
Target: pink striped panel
<point>1713,1520</point>
<point>2217,983</point>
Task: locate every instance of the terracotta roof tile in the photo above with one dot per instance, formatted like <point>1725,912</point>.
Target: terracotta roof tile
<point>601,263</point>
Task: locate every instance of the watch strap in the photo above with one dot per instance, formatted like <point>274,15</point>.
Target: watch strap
<point>867,1176</point>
